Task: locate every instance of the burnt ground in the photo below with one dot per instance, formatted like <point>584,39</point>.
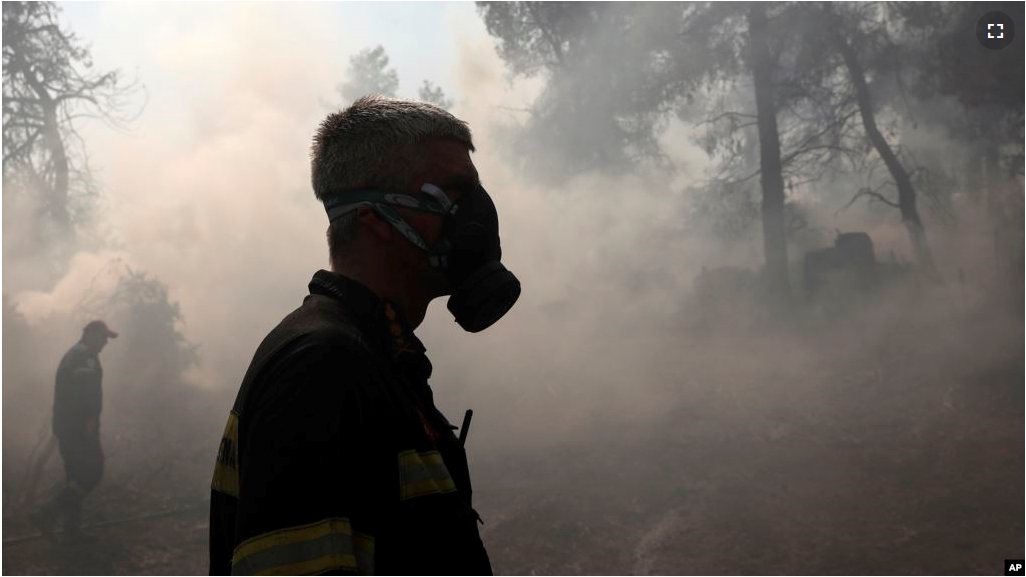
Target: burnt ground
<point>875,494</point>
<point>883,458</point>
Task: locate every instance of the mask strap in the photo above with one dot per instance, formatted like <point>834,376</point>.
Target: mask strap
<point>343,204</point>
<point>400,225</point>
<point>340,210</point>
<point>438,254</point>
<point>438,194</point>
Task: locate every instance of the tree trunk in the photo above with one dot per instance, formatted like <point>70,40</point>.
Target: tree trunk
<point>906,192</point>
<point>57,195</point>
<point>774,235</point>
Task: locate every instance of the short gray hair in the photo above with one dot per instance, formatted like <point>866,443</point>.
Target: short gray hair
<point>372,144</point>
<point>369,143</point>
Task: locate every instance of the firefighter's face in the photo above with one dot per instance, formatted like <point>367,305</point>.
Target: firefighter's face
<point>448,166</point>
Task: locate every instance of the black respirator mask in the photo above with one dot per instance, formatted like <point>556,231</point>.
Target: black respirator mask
<point>467,251</point>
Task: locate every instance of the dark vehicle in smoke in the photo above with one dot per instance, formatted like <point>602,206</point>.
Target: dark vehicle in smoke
<point>848,271</point>
<point>848,265</point>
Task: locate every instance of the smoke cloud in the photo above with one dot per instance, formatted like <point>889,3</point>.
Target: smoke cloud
<point>208,190</point>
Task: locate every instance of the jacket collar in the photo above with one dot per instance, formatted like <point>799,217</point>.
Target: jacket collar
<point>378,317</point>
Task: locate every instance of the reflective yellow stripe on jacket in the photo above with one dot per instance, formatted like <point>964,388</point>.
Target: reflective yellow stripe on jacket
<point>226,469</point>
<point>423,474</point>
<point>328,545</point>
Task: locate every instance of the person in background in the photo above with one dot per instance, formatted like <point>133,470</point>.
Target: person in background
<point>77,403</point>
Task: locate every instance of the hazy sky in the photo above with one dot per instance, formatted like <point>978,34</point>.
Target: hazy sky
<point>416,35</point>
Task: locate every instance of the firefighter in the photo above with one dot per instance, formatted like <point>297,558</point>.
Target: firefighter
<point>334,457</point>
<point>77,403</point>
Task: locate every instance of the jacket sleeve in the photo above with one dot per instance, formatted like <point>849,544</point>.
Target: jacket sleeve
<point>314,486</point>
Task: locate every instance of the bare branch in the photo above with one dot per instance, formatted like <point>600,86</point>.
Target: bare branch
<point>872,194</point>
<point>731,115</point>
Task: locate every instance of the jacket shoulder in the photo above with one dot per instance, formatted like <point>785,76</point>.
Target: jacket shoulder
<point>320,323</point>
<point>76,356</point>
<point>313,343</point>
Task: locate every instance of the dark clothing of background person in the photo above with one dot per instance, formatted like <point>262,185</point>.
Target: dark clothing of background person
<point>78,395</point>
<point>78,401</point>
<point>335,458</point>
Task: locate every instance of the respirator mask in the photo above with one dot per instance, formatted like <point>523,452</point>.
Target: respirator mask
<point>467,251</point>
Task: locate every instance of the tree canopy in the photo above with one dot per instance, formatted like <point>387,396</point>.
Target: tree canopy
<point>369,73</point>
<point>49,84</point>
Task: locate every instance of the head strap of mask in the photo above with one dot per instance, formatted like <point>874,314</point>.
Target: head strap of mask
<point>382,202</point>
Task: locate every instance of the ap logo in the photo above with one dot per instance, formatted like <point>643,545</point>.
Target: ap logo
<point>1015,567</point>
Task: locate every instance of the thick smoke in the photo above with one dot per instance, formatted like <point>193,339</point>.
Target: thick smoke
<point>209,191</point>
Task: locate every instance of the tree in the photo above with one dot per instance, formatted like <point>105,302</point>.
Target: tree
<point>776,113</point>
<point>859,38</point>
<point>428,92</point>
<point>48,83</point>
<point>790,92</point>
<point>369,74</point>
<point>615,71</point>
<point>769,116</point>
<point>823,60</point>
<point>977,95</point>
<point>949,62</point>
<point>597,111</point>
<point>774,232</point>
<point>906,191</point>
<point>987,117</point>
<point>157,354</point>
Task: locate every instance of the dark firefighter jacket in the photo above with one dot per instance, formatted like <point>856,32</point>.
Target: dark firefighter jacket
<point>78,395</point>
<point>334,458</point>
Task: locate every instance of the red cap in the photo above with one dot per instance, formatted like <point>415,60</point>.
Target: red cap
<point>99,327</point>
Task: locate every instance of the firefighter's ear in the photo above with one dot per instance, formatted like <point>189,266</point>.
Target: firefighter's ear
<point>378,227</point>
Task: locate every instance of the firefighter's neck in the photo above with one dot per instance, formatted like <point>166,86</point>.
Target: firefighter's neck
<point>392,284</point>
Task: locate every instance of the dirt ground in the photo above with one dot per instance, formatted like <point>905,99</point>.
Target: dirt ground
<point>884,457</point>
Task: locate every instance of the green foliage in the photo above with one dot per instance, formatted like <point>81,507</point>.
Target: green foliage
<point>369,74</point>
<point>155,352</point>
<point>601,108</point>
<point>537,36</point>
<point>428,92</point>
<point>946,60</point>
<point>615,70</point>
<point>729,211</point>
